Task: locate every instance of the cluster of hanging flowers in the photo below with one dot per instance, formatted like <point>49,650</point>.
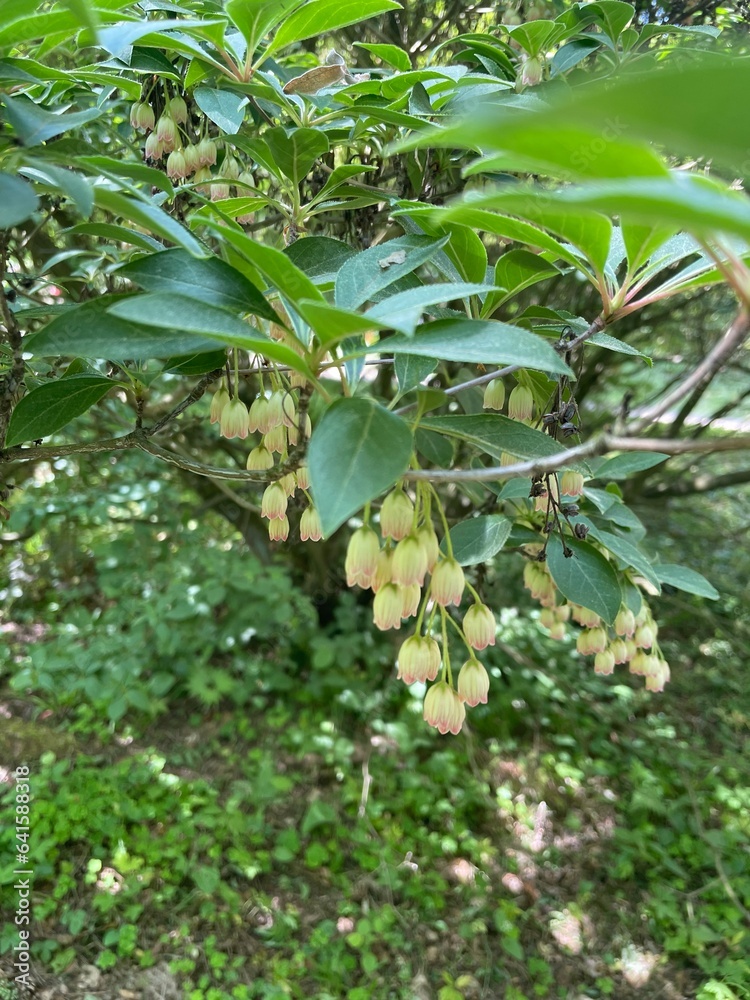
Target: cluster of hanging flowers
<point>412,578</point>
<point>191,153</point>
<point>631,640</point>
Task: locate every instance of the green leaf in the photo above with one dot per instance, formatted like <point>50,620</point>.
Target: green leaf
<point>119,234</point>
<point>613,344</point>
<point>356,452</point>
<point>624,466</point>
<point>17,201</point>
<point>319,16</point>
<point>70,183</point>
<point>33,124</point>
<point>369,272</point>
<point>225,108</point>
<point>207,880</point>
<point>586,578</point>
<point>255,18</point>
<point>390,54</point>
<point>121,36</point>
<point>412,370</point>
<point>146,214</point>
<point>403,310</point>
<point>52,405</point>
<point>494,434</point>
<point>166,311</point>
<point>686,579</point>
<point>332,324</point>
<point>319,256</point>
<point>115,169</point>
<point>479,342</point>
<point>627,553</point>
<point>196,364</point>
<point>318,814</point>
<point>537,35</point>
<point>275,266</point>
<point>613,15</point>
<point>478,539</point>
<point>208,279</point>
<point>516,270</point>
<point>296,150</point>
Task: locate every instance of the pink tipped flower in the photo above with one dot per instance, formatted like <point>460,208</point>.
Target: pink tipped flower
<point>361,556</point>
<point>190,152</point>
<point>625,623</point>
<point>142,117</point>
<point>176,166</point>
<point>288,483</point>
<point>591,641</point>
<point>202,175</point>
<point>658,674</point>
<point>410,598</point>
<point>275,440</point>
<point>409,562</point>
<point>531,73</point>
<point>259,459</point>
<point>386,608</point>
<point>219,401</point>
<point>429,542</point>
<point>619,650</point>
<point>521,404</point>
<point>274,413</point>
<point>383,570</point>
<point>473,683</point>
<point>303,478</point>
<point>418,659</point>
<point>571,484</point>
<point>310,528</point>
<point>558,631</point>
<point>278,529</point>
<point>206,152</point>
<point>479,626</point>
<point>494,395</point>
<point>443,709</point>
<point>645,636</point>
<point>258,416</point>
<point>447,583</point>
<point>219,191</point>
<point>230,168</point>
<point>166,132</point>
<point>234,419</point>
<point>154,149</point>
<point>274,502</point>
<point>584,617</point>
<point>178,110</point>
<point>396,515</point>
<point>604,662</point>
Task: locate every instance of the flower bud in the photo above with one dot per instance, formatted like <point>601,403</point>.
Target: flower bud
<point>409,562</point>
<point>383,570</point>
<point>443,709</point>
<point>310,528</point>
<point>303,478</point>
<point>521,404</point>
<point>645,636</point>
<point>259,459</point>
<point>176,166</point>
<point>418,659</point>
<point>154,150</point>
<point>278,529</point>
<point>190,152</point>
<point>396,515</point>
<point>246,180</point>
<point>288,483</point>
<point>219,401</point>
<point>658,674</point>
<point>494,395</point>
<point>584,617</point>
<point>387,606</point>
<point>230,168</point>
<point>258,419</point>
<point>531,73</point>
<point>619,650</point>
<point>571,484</point>
<point>166,132</point>
<point>591,640</point>
<point>178,110</point>
<point>473,683</point>
<point>202,175</point>
<point>234,419</point>
<point>274,502</point>
<point>557,631</point>
<point>274,412</point>
<point>219,191</point>
<point>447,583</point>
<point>275,440</point>
<point>604,662</point>
<point>361,556</point>
<point>479,627</point>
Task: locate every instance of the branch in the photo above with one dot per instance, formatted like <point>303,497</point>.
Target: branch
<point>597,446</point>
<point>699,484</point>
<point>705,371</point>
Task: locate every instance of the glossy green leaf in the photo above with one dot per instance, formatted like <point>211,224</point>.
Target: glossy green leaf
<point>225,108</point>
<point>319,16</point>
<point>332,324</point>
<point>627,553</point>
<point>494,434</point>
<point>534,36</point>
<point>255,18</point>
<point>686,579</point>
<point>115,169</point>
<point>478,539</point>
<point>165,311</point>
<point>275,266</point>
<point>152,218</point>
<point>362,277</point>
<point>585,578</point>
<point>412,370</point>
<point>619,346</point>
<point>403,310</point>
<point>118,37</point>
<point>68,181</point>
<point>195,364</point>
<point>17,201</point>
<point>118,234</point>
<point>208,279</point>
<point>34,125</point>
<point>319,256</point>
<point>574,52</point>
<point>517,270</point>
<point>626,465</point>
<point>358,450</point>
<point>296,150</point>
<point>52,405</point>
<point>390,54</point>
<point>613,15</point>
<point>479,342</point>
